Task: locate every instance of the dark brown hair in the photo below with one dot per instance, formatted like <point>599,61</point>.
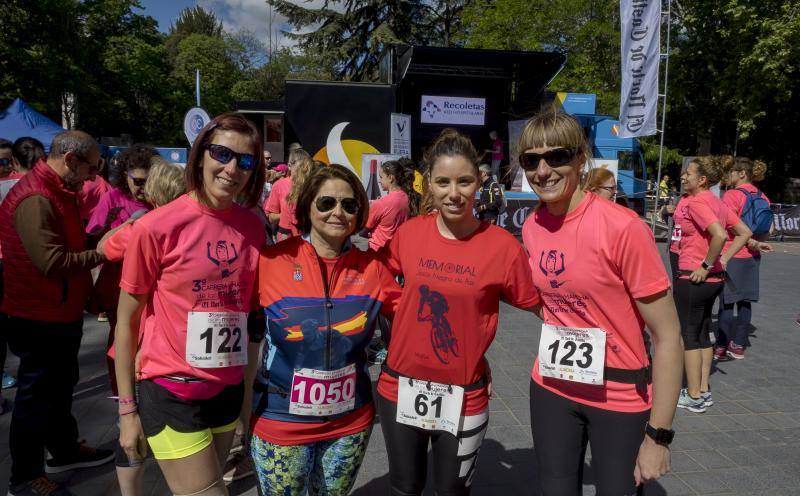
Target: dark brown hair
<point>312,185</point>
<point>403,172</point>
<point>450,143</point>
<point>237,123</point>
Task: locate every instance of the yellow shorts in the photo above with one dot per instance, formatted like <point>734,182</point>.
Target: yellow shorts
<point>170,444</point>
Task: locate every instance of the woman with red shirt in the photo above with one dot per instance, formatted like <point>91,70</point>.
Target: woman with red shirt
<point>601,280</point>
<point>280,205</point>
<point>387,213</point>
<point>703,223</point>
<point>433,389</point>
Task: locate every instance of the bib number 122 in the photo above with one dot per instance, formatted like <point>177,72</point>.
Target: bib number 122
<point>227,334</point>
<point>570,347</point>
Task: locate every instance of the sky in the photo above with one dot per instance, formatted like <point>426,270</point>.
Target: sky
<point>251,15</point>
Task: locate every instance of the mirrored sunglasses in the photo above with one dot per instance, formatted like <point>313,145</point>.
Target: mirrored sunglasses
<point>223,155</point>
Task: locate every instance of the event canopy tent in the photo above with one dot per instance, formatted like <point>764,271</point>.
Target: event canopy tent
<point>20,119</point>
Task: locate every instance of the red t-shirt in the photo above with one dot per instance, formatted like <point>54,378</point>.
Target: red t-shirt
<point>460,283</point>
<point>699,212</point>
<point>188,257</point>
<point>589,267</point>
<point>278,203</point>
<point>736,200</point>
<point>385,216</point>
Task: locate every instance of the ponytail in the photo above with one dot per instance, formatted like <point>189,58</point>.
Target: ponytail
<point>403,172</point>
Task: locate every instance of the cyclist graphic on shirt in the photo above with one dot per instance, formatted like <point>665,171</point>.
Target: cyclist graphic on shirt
<point>442,340</point>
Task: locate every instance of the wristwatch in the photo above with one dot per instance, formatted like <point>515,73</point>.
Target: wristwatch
<point>659,435</point>
<point>705,265</point>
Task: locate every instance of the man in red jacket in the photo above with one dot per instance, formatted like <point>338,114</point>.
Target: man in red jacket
<point>47,280</point>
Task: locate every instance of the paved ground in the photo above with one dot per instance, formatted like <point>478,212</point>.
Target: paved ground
<point>747,443</point>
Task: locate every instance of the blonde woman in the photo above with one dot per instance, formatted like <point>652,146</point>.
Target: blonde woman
<point>281,204</point>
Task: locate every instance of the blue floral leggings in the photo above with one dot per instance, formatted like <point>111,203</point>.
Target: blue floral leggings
<point>325,468</point>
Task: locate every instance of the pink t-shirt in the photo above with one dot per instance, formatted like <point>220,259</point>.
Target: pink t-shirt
<point>736,200</point>
<point>278,203</point>
<point>497,149</point>
<point>385,216</point>
<point>696,214</point>
<point>115,198</point>
<point>677,233</point>
<point>115,246</point>
<point>89,196</point>
<point>589,267</point>
<point>188,257</point>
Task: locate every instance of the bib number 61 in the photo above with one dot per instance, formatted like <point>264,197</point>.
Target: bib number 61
<point>422,405</point>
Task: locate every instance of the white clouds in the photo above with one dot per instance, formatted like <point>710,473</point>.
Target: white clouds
<point>255,16</point>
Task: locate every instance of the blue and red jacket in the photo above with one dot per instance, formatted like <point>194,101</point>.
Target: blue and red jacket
<point>317,322</point>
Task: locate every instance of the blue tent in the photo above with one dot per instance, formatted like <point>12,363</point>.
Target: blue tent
<point>20,119</point>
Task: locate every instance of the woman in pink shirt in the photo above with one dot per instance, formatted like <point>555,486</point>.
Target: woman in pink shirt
<point>702,222</point>
<point>187,285</point>
<point>743,268</point>
<point>401,202</point>
<point>280,206</point>
<point>601,279</point>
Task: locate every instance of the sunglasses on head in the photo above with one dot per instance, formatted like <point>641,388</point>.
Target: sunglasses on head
<point>555,158</point>
<point>223,155</point>
<point>138,181</point>
<point>328,203</point>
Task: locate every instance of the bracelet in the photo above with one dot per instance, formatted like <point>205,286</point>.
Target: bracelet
<point>126,400</point>
<point>134,410</point>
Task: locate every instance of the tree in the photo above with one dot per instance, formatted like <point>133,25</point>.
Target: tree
<point>354,39</point>
<point>587,32</point>
<point>192,20</point>
<point>267,81</point>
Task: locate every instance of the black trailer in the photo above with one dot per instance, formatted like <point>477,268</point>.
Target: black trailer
<point>425,83</point>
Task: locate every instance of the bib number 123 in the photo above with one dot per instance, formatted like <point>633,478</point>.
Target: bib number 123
<point>572,354</point>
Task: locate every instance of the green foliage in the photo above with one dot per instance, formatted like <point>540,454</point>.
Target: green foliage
<point>587,32</point>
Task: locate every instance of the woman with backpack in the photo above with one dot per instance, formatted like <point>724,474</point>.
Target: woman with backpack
<point>741,290</point>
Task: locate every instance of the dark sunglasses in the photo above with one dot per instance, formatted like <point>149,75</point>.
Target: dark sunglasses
<point>555,158</point>
<point>223,155</point>
<point>138,181</point>
<point>328,203</point>
<point>5,162</point>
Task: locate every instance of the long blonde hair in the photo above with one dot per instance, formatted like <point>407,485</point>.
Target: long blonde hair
<point>304,168</point>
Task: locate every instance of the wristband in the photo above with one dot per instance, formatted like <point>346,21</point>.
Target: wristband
<point>134,410</point>
<point>127,400</point>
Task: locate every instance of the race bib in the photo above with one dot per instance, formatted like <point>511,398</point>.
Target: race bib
<point>323,392</point>
<point>677,233</point>
<point>572,353</point>
<point>429,405</point>
<point>216,339</point>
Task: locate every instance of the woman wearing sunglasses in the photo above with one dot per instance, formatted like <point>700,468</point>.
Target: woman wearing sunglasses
<point>601,280</point>
<point>188,279</point>
<point>434,387</point>
<point>126,196</point>
<point>601,182</point>
<point>322,296</point>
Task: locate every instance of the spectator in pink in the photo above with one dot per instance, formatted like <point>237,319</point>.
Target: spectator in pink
<point>401,202</point>
<point>280,206</point>
<point>497,154</point>
<point>127,195</point>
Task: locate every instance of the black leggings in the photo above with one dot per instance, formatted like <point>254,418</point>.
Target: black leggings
<point>453,458</point>
<point>694,303</point>
<point>561,430</point>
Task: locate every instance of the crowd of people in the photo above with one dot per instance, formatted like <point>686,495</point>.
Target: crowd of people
<point>241,312</point>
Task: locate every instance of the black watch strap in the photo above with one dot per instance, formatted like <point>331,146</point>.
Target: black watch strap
<point>705,265</point>
<point>659,435</point>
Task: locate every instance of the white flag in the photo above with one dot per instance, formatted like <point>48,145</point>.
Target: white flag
<point>641,40</point>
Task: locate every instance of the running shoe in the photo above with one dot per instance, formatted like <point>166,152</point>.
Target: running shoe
<point>720,353</point>
<point>696,405</point>
<point>102,317</point>
<point>238,467</point>
<point>41,486</point>
<point>707,399</point>
<point>85,457</point>
<point>8,381</point>
<point>735,351</point>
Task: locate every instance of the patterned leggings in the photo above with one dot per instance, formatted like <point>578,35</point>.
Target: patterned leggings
<point>324,468</point>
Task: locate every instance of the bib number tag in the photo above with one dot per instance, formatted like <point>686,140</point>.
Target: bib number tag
<point>429,405</point>
<point>677,233</point>
<point>572,354</point>
<point>323,392</point>
<point>216,339</point>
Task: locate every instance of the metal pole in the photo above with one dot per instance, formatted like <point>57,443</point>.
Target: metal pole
<point>663,121</point>
<point>197,85</point>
